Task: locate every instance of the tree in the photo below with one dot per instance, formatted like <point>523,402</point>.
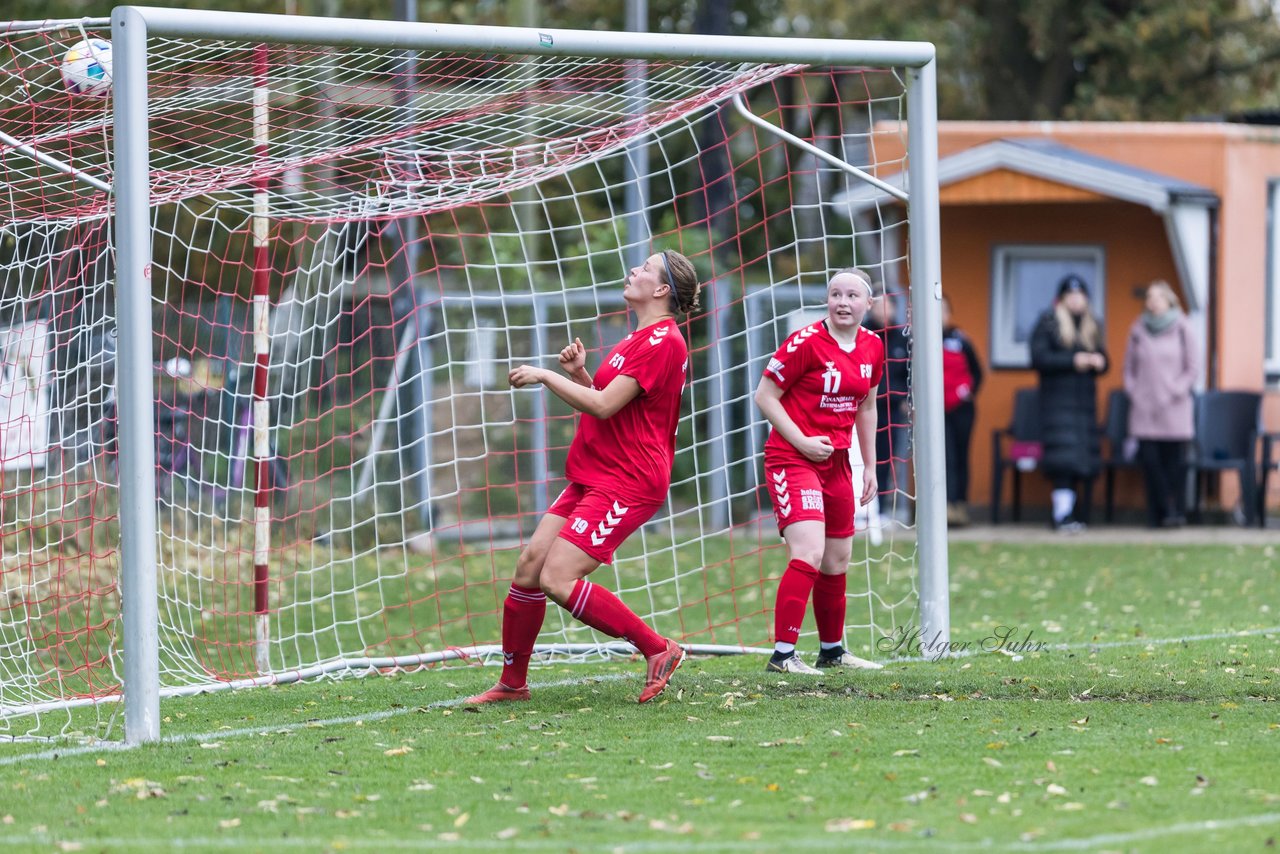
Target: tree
<point>1071,59</point>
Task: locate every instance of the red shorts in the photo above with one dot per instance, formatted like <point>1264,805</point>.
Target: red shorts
<point>597,522</point>
<point>802,490</point>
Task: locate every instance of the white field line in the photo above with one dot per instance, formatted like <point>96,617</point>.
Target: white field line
<point>830,841</point>
<point>116,746</point>
<point>371,717</point>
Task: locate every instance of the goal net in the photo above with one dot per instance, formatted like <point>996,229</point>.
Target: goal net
<point>350,248</point>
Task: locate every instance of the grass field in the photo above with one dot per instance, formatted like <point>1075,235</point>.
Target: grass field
<point>1149,721</point>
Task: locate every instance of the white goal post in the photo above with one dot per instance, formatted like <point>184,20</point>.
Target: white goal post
<point>146,521</point>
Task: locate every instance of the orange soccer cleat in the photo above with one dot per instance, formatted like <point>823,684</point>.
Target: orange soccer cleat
<point>499,694</point>
<point>661,667</point>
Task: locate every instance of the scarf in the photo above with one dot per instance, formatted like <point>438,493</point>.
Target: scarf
<point>1157,323</point>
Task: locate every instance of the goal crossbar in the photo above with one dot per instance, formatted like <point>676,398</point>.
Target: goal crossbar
<point>399,35</point>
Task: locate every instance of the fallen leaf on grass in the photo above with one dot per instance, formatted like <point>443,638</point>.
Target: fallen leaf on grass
<point>506,833</point>
<point>843,825</point>
<point>1149,781</point>
<point>1055,789</point>
<point>228,823</point>
<point>462,819</point>
<point>561,810</point>
<point>968,818</point>
<point>910,752</point>
<point>398,751</point>
<point>993,762</point>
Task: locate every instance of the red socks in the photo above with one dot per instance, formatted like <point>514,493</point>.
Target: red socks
<point>604,612</point>
<point>522,614</point>
<point>793,600</point>
<point>829,607</point>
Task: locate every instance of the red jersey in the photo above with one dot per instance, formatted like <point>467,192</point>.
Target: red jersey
<point>822,385</point>
<point>632,451</point>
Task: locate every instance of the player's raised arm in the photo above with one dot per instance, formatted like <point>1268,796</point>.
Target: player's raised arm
<point>573,361</point>
<point>602,403</point>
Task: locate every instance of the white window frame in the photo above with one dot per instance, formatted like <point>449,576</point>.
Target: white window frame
<point>1006,351</point>
<point>1271,327</point>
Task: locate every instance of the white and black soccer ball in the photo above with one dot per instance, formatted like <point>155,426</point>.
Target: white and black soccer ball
<point>86,68</point>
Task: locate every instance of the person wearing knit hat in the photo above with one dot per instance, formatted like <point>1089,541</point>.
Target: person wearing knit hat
<point>1070,283</point>
<point>1067,351</point>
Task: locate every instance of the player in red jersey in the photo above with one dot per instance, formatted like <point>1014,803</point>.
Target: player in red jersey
<point>619,470</point>
<point>815,391</point>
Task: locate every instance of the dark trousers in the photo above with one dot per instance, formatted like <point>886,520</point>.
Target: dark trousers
<point>1164,467</point>
<point>958,425</point>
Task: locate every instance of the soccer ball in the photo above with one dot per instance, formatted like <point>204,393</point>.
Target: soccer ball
<point>86,69</point>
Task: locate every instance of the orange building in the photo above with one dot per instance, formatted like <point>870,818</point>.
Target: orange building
<point>1024,203</point>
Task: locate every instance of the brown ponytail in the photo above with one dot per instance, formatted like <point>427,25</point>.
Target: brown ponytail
<point>683,279</point>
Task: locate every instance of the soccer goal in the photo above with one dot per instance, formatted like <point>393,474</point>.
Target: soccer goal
<point>261,292</point>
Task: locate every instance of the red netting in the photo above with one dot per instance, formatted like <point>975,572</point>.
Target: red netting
<point>423,233</point>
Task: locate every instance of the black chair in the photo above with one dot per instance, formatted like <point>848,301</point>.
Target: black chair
<point>1016,448</point>
<point>1270,460</point>
<point>1226,440</point>
<point>1115,430</point>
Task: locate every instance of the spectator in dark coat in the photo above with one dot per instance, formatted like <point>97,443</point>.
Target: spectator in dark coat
<point>961,378</point>
<point>1068,352</point>
<point>893,409</point>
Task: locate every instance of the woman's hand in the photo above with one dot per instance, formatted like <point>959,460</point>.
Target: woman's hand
<point>525,375</point>
<point>816,448</point>
<point>870,486</point>
<point>1083,361</point>
<point>573,358</point>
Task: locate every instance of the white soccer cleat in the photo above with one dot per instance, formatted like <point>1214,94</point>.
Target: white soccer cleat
<point>847,659</point>
<point>791,664</point>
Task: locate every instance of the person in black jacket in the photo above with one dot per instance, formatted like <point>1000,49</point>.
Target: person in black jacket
<point>961,378</point>
<point>893,409</point>
<point>1067,351</point>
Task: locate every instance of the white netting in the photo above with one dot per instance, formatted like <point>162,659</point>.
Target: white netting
<point>431,219</point>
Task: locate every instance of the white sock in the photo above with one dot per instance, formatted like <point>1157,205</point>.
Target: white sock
<point>784,648</point>
<point>826,645</point>
<point>1064,501</point>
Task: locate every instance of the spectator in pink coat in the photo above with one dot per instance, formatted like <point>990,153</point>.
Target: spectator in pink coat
<point>1161,365</point>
